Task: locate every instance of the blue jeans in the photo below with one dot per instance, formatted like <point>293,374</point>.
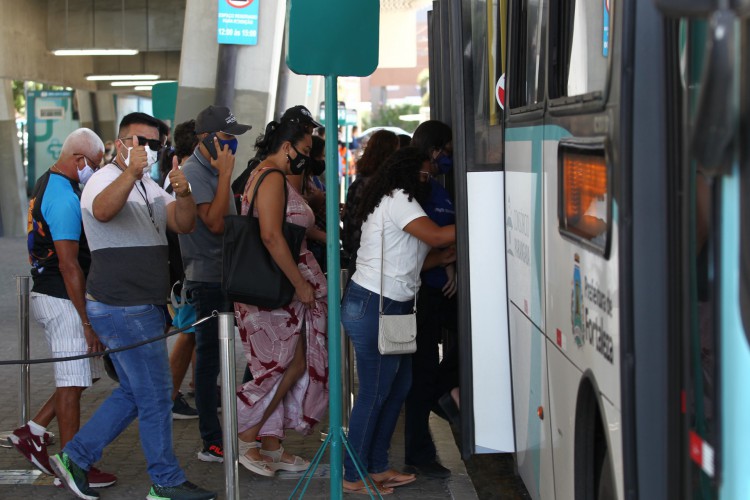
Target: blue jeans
<point>207,297</point>
<point>145,391</point>
<point>384,381</point>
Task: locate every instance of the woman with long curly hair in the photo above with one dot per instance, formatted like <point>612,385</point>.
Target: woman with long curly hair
<point>285,347</point>
<point>397,235</point>
<point>381,145</point>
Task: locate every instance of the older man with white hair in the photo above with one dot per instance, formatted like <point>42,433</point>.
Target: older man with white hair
<point>59,256</point>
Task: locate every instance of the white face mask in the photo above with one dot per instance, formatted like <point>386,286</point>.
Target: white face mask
<point>126,160</point>
<point>85,173</point>
<point>151,158</point>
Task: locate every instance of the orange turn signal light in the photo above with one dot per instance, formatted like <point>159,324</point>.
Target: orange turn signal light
<point>584,203</point>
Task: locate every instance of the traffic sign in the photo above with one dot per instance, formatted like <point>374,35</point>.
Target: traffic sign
<point>238,22</point>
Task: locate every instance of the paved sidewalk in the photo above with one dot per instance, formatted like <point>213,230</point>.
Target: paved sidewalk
<point>124,456</point>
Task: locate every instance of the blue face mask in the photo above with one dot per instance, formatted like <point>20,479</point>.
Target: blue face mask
<point>232,143</point>
<point>444,163</point>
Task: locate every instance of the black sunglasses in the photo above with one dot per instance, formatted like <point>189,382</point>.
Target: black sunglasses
<point>153,144</point>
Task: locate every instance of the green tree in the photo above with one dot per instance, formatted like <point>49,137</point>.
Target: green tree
<point>19,92</point>
<point>19,96</point>
<point>424,86</point>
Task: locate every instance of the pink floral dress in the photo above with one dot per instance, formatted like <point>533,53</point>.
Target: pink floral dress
<point>270,336</point>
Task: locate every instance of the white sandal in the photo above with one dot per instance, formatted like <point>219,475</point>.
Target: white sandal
<point>260,467</point>
<point>298,465</point>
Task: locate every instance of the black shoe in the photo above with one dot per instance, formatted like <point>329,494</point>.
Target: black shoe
<point>448,405</point>
<point>181,410</point>
<point>184,491</point>
<point>212,453</point>
<point>431,469</point>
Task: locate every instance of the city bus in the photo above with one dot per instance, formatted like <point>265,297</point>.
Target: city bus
<point>602,184</point>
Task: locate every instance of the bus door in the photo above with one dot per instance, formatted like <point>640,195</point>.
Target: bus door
<point>466,70</point>
<point>710,167</point>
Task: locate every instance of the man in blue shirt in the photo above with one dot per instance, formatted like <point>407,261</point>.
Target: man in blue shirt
<point>60,258</point>
<point>436,311</point>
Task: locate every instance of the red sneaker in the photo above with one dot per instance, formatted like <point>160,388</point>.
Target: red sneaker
<point>100,479</point>
<point>32,447</point>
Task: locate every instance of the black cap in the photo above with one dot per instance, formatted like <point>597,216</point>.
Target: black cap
<point>219,119</point>
<point>301,114</point>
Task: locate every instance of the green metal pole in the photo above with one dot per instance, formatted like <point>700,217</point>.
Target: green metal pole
<point>334,293</point>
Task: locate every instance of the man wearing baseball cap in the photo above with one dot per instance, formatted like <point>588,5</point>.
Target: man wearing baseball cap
<point>209,172</point>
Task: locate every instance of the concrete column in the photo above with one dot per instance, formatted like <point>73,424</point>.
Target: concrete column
<point>257,69</point>
<point>13,198</point>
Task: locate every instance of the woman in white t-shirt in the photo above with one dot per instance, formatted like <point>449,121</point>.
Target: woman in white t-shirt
<point>390,207</point>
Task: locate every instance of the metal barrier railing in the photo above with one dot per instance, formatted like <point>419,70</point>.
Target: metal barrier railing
<point>24,350</point>
<point>24,353</point>
<point>347,366</point>
<point>229,404</point>
<point>347,371</point>
<point>228,376</point>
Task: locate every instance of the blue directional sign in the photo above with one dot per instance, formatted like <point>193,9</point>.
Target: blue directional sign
<point>238,22</point>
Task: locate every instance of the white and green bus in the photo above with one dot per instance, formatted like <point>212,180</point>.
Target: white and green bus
<point>602,185</point>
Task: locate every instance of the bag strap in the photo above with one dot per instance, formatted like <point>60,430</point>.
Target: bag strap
<point>382,263</point>
<point>255,192</point>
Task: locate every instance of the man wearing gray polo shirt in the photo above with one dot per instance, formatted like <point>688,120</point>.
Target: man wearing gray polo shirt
<point>209,172</point>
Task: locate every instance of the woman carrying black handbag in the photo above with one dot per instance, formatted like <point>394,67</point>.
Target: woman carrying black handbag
<point>285,347</point>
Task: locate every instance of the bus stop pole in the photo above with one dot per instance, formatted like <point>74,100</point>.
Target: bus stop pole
<point>24,388</point>
<point>334,300</point>
<point>229,404</point>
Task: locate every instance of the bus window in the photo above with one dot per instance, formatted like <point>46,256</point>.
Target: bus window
<point>527,86</point>
<point>579,41</point>
<point>488,71</point>
<point>584,212</point>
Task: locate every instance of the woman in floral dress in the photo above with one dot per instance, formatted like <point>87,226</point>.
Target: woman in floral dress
<point>286,347</point>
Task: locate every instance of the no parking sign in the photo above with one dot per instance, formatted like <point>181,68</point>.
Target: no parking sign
<point>238,22</point>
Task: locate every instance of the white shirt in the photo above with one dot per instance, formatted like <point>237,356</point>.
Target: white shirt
<point>404,253</point>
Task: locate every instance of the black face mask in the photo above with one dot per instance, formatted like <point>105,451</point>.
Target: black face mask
<point>298,163</point>
<point>317,167</point>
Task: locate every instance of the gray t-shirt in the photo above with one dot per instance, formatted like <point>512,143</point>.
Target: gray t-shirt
<point>128,253</point>
<point>201,249</point>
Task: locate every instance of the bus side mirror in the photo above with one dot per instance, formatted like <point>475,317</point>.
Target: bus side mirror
<point>687,8</point>
<point>715,123</point>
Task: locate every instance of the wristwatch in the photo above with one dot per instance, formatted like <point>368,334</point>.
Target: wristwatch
<point>185,194</point>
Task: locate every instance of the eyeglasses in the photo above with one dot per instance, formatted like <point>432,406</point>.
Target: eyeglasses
<point>425,175</point>
<point>93,164</point>
<point>153,144</point>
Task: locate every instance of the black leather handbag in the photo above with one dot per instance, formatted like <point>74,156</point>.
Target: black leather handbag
<point>249,273</point>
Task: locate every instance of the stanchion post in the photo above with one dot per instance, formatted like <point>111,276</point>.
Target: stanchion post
<point>229,404</point>
<point>24,386</point>
<point>347,366</point>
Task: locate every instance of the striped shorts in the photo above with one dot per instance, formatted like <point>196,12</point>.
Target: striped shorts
<point>64,332</point>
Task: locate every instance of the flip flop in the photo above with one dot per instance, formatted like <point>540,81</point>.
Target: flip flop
<point>392,478</point>
<point>359,488</point>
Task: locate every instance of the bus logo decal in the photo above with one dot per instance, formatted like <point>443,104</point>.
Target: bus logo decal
<point>576,304</point>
